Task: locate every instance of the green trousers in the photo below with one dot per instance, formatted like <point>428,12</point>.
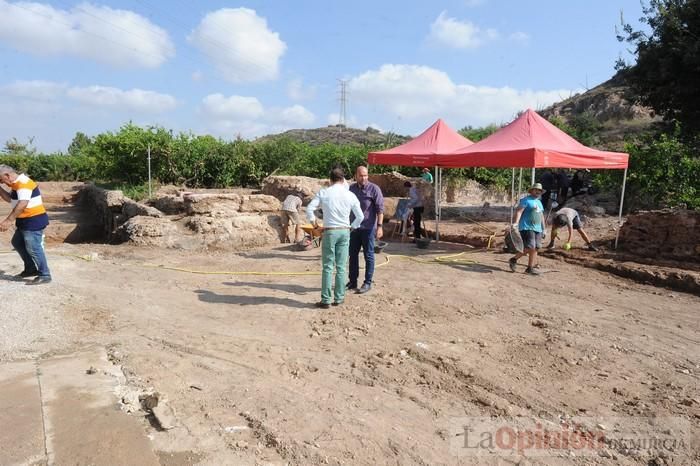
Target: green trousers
<point>334,256</point>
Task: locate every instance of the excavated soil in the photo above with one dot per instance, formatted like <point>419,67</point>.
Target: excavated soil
<point>255,374</point>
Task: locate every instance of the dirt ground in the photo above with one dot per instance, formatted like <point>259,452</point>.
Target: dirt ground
<point>254,374</point>
<point>248,371</point>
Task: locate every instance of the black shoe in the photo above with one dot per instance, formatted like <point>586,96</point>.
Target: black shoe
<point>337,304</point>
<point>26,274</point>
<point>532,271</point>
<point>351,286</point>
<point>513,263</point>
<point>40,281</point>
<point>364,289</point>
<point>592,248</point>
<point>322,305</point>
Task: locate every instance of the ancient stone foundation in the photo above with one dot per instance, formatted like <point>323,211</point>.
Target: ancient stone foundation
<point>229,221</point>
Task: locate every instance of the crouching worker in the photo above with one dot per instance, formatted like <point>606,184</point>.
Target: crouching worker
<point>30,220</point>
<point>569,218</point>
<point>337,203</point>
<point>290,215</point>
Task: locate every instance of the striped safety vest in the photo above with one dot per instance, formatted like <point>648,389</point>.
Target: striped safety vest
<point>33,217</point>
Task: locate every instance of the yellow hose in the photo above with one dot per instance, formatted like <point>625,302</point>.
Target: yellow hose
<point>450,259</point>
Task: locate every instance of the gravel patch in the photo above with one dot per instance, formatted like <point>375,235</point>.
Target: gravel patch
<point>31,317</point>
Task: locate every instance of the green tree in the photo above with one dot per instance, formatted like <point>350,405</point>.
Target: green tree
<point>477,134</point>
<point>14,147</point>
<point>80,144</point>
<point>667,61</point>
<point>583,127</point>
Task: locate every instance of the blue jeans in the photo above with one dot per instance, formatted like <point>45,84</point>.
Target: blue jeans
<point>362,239</point>
<point>30,247</point>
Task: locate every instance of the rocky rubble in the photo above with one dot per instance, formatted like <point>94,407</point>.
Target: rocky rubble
<point>199,220</point>
<point>668,233</point>
<point>282,186</point>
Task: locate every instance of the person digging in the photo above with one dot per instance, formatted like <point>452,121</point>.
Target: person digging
<point>529,219</point>
<point>570,218</point>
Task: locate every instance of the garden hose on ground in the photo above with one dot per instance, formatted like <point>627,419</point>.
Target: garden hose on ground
<point>450,259</point>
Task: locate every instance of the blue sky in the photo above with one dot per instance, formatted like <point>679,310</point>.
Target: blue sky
<point>257,67</point>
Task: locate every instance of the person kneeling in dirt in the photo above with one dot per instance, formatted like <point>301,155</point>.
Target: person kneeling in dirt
<point>529,219</point>
<point>290,214</point>
<point>570,218</point>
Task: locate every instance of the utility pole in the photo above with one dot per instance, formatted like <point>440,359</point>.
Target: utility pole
<point>149,172</point>
<point>342,116</point>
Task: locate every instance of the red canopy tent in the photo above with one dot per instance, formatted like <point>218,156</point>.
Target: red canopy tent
<point>423,151</point>
<point>530,141</point>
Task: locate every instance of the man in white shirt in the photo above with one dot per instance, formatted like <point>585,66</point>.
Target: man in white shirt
<point>337,203</point>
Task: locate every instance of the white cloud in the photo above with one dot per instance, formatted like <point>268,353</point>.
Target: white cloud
<point>240,44</point>
<point>235,107</point>
<point>137,100</point>
<point>420,92</point>
<point>295,116</point>
<point>51,112</point>
<point>35,90</point>
<point>119,38</point>
<point>406,90</point>
<point>520,36</point>
<point>451,32</point>
<point>473,3</point>
<point>246,116</point>
<point>297,91</point>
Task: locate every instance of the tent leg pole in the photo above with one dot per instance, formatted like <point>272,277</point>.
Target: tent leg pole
<point>520,183</point>
<point>436,182</point>
<point>619,215</point>
<point>533,176</point>
<point>437,230</point>
<point>512,195</point>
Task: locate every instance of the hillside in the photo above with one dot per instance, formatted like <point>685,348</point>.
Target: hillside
<point>338,134</point>
<point>611,106</point>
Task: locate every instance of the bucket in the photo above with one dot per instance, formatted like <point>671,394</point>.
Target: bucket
<point>379,246</point>
<point>422,243</point>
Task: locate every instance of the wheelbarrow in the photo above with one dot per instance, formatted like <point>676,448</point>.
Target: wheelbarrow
<point>314,233</point>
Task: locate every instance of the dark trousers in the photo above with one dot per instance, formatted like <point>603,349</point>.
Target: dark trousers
<point>545,198</point>
<point>361,239</point>
<point>417,217</point>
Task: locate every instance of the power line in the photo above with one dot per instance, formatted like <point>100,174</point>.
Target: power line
<point>51,18</point>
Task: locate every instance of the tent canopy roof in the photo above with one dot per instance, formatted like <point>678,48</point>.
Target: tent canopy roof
<point>531,141</point>
<point>422,150</point>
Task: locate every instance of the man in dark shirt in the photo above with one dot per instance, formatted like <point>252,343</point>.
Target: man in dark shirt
<point>372,204</point>
<point>547,182</point>
<point>563,183</point>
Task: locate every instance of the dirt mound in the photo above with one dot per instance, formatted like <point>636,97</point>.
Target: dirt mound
<point>612,105</point>
<point>668,233</point>
<point>338,134</point>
